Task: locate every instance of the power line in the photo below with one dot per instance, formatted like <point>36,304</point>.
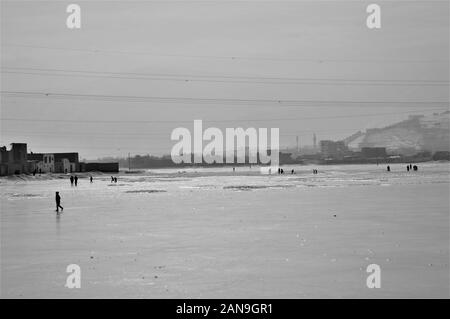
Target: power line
<point>146,134</point>
<point>218,121</point>
<point>192,100</point>
<point>219,57</point>
<point>220,78</point>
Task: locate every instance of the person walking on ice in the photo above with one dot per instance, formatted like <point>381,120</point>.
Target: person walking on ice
<point>58,202</point>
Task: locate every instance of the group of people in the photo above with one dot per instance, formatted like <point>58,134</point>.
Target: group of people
<point>73,180</point>
<point>281,171</point>
<point>408,168</point>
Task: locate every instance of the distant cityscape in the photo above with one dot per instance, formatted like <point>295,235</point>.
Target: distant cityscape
<point>17,160</point>
<point>417,139</point>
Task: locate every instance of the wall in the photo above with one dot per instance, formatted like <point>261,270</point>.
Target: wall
<point>102,167</point>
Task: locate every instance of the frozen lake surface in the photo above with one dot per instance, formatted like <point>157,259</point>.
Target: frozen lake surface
<point>212,233</point>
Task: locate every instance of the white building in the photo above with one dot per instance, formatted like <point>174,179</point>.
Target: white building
<point>47,165</point>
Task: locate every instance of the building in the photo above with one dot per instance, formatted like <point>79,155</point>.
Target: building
<point>65,166</point>
<point>18,161</point>
<point>55,162</point>
<point>101,167</point>
<point>48,164</point>
<point>441,155</point>
<point>373,152</point>
<point>332,149</point>
<point>15,160</point>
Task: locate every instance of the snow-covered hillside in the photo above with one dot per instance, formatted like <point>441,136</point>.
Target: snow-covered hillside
<point>417,133</point>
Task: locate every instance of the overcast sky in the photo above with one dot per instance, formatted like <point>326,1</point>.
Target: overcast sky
<point>252,52</point>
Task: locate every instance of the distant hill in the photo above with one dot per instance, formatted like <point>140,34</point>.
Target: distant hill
<point>417,133</point>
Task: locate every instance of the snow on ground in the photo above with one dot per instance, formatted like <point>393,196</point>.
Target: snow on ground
<point>212,233</point>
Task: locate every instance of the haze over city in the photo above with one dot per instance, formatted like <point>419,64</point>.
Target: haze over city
<point>137,70</point>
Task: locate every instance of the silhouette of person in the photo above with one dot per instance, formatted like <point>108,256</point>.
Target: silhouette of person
<point>415,167</point>
<point>115,179</point>
<point>281,171</point>
<point>58,202</point>
<point>407,168</point>
<point>112,179</point>
<point>91,179</point>
<point>76,180</point>
<point>388,168</point>
<point>292,172</point>
<point>71,180</point>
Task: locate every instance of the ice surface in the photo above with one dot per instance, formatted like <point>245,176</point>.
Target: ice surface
<point>212,233</point>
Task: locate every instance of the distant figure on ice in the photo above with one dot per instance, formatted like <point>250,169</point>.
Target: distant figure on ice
<point>58,202</point>
<point>112,179</point>
<point>415,167</point>
<point>115,179</point>
<point>71,180</point>
<point>76,180</point>
<point>407,168</point>
<point>388,168</point>
<point>234,169</point>
<point>410,166</point>
<point>292,172</point>
<point>91,179</point>
<point>281,171</point>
